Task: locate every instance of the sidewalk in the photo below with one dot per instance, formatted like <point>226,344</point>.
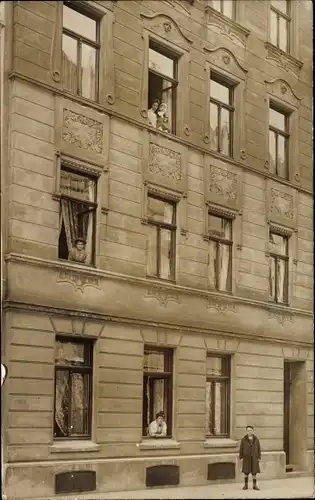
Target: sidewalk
<point>302,487</point>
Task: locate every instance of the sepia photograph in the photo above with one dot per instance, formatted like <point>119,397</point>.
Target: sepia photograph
<point>157,249</point>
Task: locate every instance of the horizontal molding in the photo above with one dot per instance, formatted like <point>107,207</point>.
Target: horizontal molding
<point>165,286</point>
<point>144,126</point>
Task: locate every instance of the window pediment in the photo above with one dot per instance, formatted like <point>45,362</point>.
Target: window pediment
<point>223,58</point>
<point>165,27</point>
<point>283,91</point>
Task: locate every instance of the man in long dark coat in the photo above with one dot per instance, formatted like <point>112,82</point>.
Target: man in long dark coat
<point>250,454</point>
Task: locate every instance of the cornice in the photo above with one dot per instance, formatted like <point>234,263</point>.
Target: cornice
<point>111,112</point>
<point>282,59</point>
<point>22,306</point>
<point>227,26</point>
<point>173,288</point>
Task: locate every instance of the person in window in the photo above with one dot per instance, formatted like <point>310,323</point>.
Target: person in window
<point>250,454</point>
<point>152,117</point>
<point>158,427</point>
<point>78,252</point>
<point>161,112</point>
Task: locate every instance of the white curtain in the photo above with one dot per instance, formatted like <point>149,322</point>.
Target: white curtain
<point>212,263</point>
<point>165,242</point>
<point>272,279</point>
<point>224,265</point>
<point>89,231</point>
<point>281,276</point>
<point>167,98</point>
<point>225,139</point>
<point>158,396</point>
<point>77,403</point>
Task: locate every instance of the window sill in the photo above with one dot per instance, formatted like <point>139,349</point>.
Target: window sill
<point>159,444</point>
<point>220,443</point>
<point>74,447</point>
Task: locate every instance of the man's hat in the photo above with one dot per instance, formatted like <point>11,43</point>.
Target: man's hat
<point>79,239</point>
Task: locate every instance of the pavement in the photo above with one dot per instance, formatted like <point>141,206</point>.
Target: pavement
<point>301,487</point>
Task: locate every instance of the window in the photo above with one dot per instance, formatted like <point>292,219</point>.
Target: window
<point>162,88</point>
<point>278,268</point>
<point>73,388</point>
<point>218,396</point>
<point>221,116</point>
<point>162,238</point>
<point>220,252</point>
<point>226,7</point>
<point>77,217</point>
<point>80,52</point>
<point>157,387</point>
<point>278,142</point>
<point>280,24</point>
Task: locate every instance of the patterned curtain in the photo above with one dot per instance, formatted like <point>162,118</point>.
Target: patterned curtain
<point>62,401</point>
<point>68,210</point>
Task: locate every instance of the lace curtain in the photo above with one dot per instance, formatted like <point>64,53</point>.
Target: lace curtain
<point>219,265</point>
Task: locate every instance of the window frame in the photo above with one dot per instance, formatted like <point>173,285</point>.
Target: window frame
<point>82,39</point>
<point>169,375</point>
<point>89,352</point>
<point>170,54</point>
<point>288,19</point>
<point>92,204</point>
<point>223,241</point>
<point>275,257</point>
<point>171,227</point>
<point>233,17</point>
<point>285,134</point>
<point>229,107</point>
<point>220,378</point>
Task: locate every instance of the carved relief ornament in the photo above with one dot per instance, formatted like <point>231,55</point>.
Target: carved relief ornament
<point>221,306</point>
<point>281,317</point>
<point>164,26</point>
<point>165,162</point>
<point>162,296</point>
<point>78,280</point>
<point>223,183</point>
<point>82,131</point>
<point>282,204</point>
<point>283,60</point>
<point>283,91</point>
<point>226,26</point>
<point>224,58</point>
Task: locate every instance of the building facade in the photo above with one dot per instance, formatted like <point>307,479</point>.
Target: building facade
<point>157,236</point>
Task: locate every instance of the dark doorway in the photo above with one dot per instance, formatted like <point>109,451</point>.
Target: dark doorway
<point>286,411</point>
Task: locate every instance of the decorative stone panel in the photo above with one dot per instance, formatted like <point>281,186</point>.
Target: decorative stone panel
<point>82,132</point>
<point>281,204</point>
<point>223,186</point>
<point>165,163</point>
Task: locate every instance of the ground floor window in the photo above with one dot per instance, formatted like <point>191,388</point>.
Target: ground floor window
<point>218,396</point>
<point>157,392</point>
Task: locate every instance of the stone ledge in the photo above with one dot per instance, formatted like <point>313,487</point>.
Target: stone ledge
<point>159,444</point>
<point>74,447</point>
<point>220,443</point>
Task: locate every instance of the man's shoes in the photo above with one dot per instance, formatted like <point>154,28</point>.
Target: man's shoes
<point>245,487</point>
<point>256,488</point>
